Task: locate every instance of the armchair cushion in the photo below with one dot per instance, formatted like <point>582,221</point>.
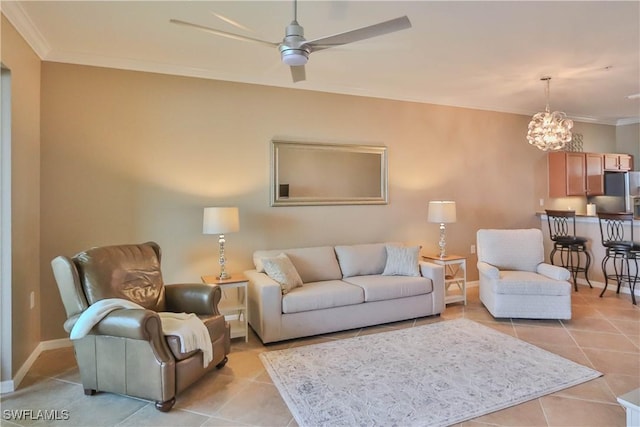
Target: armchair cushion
<point>511,249</point>
<point>528,283</point>
<point>129,272</point>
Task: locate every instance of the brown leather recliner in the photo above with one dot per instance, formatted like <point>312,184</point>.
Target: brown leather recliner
<point>127,352</point>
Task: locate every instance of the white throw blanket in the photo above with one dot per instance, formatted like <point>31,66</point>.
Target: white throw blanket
<point>192,332</point>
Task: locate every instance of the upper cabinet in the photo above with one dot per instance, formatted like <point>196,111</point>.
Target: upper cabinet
<point>618,162</point>
<point>575,174</point>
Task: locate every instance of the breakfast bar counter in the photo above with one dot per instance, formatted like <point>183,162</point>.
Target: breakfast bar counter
<point>589,227</point>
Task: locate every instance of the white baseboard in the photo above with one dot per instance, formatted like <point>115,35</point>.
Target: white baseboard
<point>11,385</point>
<point>611,287</point>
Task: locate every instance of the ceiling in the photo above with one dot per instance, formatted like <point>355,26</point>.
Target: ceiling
<point>478,54</point>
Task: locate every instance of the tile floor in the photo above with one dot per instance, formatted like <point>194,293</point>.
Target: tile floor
<point>604,334</point>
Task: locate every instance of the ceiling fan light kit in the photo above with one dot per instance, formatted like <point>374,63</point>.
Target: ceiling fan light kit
<point>549,131</point>
<point>295,49</point>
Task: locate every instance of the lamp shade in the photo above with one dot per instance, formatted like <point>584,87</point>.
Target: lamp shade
<point>442,212</point>
<point>220,220</point>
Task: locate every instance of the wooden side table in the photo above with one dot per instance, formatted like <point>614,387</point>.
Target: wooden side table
<point>455,273</point>
<point>233,305</point>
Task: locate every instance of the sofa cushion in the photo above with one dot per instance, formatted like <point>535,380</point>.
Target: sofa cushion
<point>378,287</point>
<point>320,295</point>
<point>313,264</point>
<point>361,260</point>
<point>528,283</point>
<point>281,269</point>
<point>511,249</point>
<point>402,261</point>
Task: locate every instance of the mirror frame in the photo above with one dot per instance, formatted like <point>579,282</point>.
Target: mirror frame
<point>276,200</point>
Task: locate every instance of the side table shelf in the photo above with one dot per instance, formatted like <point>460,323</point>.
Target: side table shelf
<point>455,273</point>
<point>233,303</point>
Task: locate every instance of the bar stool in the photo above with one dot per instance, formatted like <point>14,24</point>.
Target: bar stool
<point>566,241</point>
<point>620,248</point>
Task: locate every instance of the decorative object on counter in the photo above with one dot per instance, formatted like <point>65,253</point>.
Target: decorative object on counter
<point>591,209</point>
<point>442,212</point>
<point>219,220</point>
<point>562,231</point>
<point>549,131</point>
<point>575,145</point>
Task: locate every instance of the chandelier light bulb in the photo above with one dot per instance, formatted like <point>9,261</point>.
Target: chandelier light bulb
<point>549,131</point>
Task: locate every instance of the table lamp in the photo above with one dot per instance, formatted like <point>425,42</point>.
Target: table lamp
<point>442,212</point>
<point>218,220</point>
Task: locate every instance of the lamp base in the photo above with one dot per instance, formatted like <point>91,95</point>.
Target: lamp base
<point>442,243</point>
<point>223,276</point>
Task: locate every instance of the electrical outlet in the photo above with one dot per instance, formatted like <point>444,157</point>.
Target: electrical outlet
<point>32,299</point>
<point>473,249</point>
<point>541,202</point>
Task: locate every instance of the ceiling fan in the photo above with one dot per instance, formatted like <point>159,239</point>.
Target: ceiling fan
<point>295,49</point>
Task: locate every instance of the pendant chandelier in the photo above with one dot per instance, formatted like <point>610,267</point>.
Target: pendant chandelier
<point>549,131</point>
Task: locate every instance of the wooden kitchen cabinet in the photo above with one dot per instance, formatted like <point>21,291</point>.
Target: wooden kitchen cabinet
<point>618,162</point>
<point>575,174</point>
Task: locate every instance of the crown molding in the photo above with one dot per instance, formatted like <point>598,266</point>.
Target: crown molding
<point>16,14</point>
<point>628,121</point>
<point>18,17</point>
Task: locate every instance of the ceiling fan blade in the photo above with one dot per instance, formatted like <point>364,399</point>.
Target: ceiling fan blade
<point>298,73</point>
<point>375,30</point>
<point>231,22</point>
<point>223,33</point>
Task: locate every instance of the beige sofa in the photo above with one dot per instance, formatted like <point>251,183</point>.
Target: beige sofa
<point>343,288</point>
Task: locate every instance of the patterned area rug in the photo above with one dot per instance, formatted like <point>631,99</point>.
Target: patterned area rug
<point>433,375</point>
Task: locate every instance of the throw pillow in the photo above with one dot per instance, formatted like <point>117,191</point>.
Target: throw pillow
<point>402,261</point>
<point>282,270</point>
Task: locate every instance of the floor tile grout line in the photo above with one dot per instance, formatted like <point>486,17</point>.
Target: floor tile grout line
<point>544,413</point>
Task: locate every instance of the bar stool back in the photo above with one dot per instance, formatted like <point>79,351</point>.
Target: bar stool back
<point>616,232</point>
<point>562,231</point>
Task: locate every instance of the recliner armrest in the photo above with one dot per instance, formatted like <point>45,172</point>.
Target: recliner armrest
<point>193,298</point>
<point>553,271</point>
<point>488,270</point>
<point>136,324</point>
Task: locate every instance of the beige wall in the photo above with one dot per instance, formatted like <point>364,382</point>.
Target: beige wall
<point>24,65</point>
<point>130,157</point>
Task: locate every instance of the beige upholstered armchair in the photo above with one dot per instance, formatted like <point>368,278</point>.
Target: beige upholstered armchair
<point>514,279</point>
<point>125,350</point>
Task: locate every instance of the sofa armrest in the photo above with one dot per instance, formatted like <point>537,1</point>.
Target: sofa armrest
<point>435,272</point>
<point>195,298</point>
<point>432,271</point>
<point>265,305</point>
<point>553,271</point>
<point>488,270</point>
